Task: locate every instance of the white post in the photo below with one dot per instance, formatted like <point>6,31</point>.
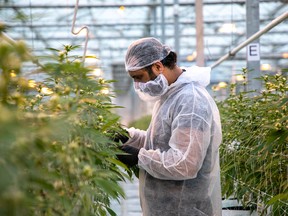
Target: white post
<point>199,33</point>
<point>253,49</point>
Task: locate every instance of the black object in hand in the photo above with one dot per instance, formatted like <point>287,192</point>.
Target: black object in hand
<point>131,158</point>
<point>123,137</point>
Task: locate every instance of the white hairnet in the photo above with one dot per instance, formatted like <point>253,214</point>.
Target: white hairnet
<point>144,52</point>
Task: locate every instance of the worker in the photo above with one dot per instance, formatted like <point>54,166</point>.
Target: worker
<point>178,155</point>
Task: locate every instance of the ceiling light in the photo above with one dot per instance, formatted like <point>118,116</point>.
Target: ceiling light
<point>121,8</point>
<point>266,67</point>
<point>240,78</point>
<point>192,57</point>
<point>96,72</point>
<point>222,84</point>
<point>227,28</point>
<point>285,55</point>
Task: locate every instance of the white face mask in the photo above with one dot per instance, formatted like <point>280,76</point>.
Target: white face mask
<point>153,89</point>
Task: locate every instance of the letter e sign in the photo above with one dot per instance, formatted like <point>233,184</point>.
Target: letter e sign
<point>253,53</point>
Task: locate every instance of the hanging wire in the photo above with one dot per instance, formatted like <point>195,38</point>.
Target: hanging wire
<point>74,32</point>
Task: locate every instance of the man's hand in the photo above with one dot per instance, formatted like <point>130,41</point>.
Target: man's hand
<point>131,158</point>
<point>122,137</point>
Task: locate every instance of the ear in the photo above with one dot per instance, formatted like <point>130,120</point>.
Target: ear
<point>158,68</point>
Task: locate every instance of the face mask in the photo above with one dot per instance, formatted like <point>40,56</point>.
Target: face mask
<point>153,89</point>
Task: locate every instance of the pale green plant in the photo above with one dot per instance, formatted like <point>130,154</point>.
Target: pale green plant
<point>56,155</point>
<point>254,149</point>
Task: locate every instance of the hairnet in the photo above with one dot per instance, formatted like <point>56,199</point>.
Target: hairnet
<point>144,52</point>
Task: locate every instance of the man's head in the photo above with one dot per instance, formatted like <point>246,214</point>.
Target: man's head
<point>146,58</point>
<point>144,52</point>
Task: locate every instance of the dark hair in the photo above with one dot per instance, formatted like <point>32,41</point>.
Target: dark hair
<point>169,62</point>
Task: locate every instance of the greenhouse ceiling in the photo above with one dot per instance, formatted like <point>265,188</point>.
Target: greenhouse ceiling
<point>113,25</point>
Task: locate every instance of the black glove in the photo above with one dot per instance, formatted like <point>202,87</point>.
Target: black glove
<point>131,158</point>
<point>123,137</point>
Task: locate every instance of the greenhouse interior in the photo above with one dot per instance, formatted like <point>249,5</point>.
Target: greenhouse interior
<point>65,94</point>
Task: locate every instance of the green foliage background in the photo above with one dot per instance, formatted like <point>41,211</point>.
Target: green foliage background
<point>56,153</point>
<point>254,149</point>
<point>141,123</point>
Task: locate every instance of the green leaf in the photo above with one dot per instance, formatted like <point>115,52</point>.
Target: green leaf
<point>277,198</point>
<point>110,187</point>
<point>90,56</point>
<point>53,49</point>
<point>111,212</point>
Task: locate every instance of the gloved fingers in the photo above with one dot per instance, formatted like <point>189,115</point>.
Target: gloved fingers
<point>122,136</point>
<point>128,160</point>
<point>131,158</point>
<point>129,149</point>
<point>131,131</point>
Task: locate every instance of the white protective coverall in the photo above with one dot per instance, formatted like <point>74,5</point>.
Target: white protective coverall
<point>179,157</point>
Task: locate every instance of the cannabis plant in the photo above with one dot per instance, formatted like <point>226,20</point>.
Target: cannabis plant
<point>56,152</point>
<point>254,149</point>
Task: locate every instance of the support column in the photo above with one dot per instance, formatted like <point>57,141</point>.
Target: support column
<point>163,37</point>
<point>176,27</point>
<point>154,15</point>
<point>253,49</point>
<point>199,33</point>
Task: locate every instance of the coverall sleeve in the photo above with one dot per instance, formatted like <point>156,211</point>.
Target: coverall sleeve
<point>190,139</point>
<point>137,137</point>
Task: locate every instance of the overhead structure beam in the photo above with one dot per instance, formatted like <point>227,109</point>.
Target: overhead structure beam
<point>272,14</point>
<point>59,24</point>
<point>109,5</point>
<point>258,34</point>
<point>112,37</point>
<point>242,57</point>
<point>121,31</point>
<point>124,48</point>
<point>103,37</point>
